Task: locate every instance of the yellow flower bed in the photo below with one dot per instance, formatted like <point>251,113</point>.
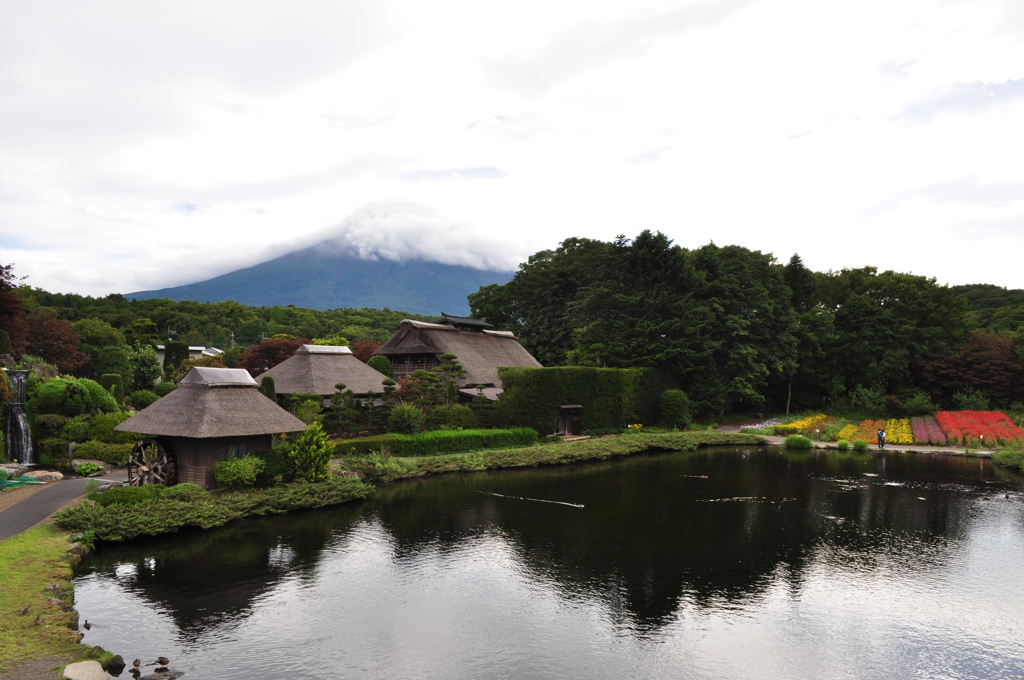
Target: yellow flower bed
<point>847,432</point>
<point>807,423</point>
<point>898,432</point>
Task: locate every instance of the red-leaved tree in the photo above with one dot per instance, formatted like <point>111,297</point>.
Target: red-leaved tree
<point>364,349</point>
<point>266,354</point>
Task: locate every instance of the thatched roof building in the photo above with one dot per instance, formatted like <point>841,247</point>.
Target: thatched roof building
<point>316,369</point>
<point>481,351</point>
<point>214,414</point>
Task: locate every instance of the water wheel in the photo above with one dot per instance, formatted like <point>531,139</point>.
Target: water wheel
<point>149,463</point>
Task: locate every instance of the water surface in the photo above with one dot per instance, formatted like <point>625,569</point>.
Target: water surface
<point>723,563</point>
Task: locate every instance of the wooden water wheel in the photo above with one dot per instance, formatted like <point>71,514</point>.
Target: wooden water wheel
<point>149,463</point>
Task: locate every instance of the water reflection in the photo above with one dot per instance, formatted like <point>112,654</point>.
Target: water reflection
<point>680,547</point>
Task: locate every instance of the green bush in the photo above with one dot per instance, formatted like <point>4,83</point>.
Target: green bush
<point>675,409</point>
<point>53,452</point>
<point>49,425</point>
<point>919,404</point>
<point>970,400</point>
<point>364,445</point>
<point>238,472</point>
<point>186,491</point>
<point>113,383</point>
<point>3,477</point>
<point>311,453</point>
<point>785,430</point>
<point>309,411</point>
<point>453,416</point>
<point>174,354</point>
<point>103,429</point>
<point>71,397</point>
<point>382,365</point>
<point>860,445</point>
<point>162,389</point>
<point>277,466</point>
<point>77,428</point>
<point>405,419</point>
<point>88,469</point>
<point>832,430</point>
<point>797,441</point>
<point>112,453</point>
<point>842,444</point>
<point>1012,458</point>
<point>267,388</point>
<point>126,495</point>
<point>140,399</point>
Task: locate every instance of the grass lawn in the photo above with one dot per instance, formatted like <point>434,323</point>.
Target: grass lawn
<point>31,562</point>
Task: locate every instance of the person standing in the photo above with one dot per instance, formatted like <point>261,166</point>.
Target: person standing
<point>881,439</point>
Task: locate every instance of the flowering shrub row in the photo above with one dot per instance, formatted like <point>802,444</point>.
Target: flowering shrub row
<point>978,428</point>
<point>898,431</point>
<point>927,431</point>
<point>868,430</point>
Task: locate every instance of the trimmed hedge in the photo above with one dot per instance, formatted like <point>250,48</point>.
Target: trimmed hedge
<point>532,396</point>
<point>437,442</point>
<point>115,454</point>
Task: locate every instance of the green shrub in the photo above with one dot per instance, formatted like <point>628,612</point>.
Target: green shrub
<point>785,430</point>
<point>675,409</point>
<point>277,466</point>
<point>186,491</point>
<point>53,452</point>
<point>71,397</point>
<point>103,425</point>
<point>405,419</point>
<point>238,472</point>
<point>919,405</point>
<point>832,430</point>
<point>77,428</point>
<point>126,495</point>
<point>860,445</point>
<point>311,453</point>
<point>140,399</point>
<point>267,388</point>
<point>842,444</point>
<point>797,441</point>
<point>49,425</point>
<point>3,477</point>
<point>452,416</point>
<point>363,446</point>
<point>112,453</point>
<point>382,365</point>
<point>162,389</point>
<point>309,411</point>
<point>88,469</point>
<point>113,383</point>
<point>1011,457</point>
<point>970,400</point>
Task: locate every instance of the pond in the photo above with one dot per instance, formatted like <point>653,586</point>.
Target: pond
<point>721,563</point>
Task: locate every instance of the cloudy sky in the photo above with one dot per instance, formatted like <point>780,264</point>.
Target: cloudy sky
<point>147,144</point>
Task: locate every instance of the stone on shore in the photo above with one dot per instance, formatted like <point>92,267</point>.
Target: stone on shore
<point>85,670</point>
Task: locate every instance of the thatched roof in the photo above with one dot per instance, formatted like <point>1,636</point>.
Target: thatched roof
<point>316,369</point>
<point>213,402</point>
<point>480,352</point>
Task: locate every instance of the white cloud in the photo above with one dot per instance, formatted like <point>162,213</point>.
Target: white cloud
<point>144,146</point>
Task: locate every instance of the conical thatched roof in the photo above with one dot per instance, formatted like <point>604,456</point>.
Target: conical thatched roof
<point>213,402</point>
<point>316,369</point>
<point>480,352</point>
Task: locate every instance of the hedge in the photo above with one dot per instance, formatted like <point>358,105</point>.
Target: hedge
<point>532,396</point>
<point>437,442</point>
<point>115,454</point>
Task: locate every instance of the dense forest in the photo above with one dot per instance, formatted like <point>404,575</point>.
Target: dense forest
<point>739,331</point>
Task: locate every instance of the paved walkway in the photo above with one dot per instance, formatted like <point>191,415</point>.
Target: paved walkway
<point>913,448</point>
<point>38,506</point>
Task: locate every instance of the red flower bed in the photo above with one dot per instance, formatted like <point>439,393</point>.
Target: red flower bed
<point>977,428</point>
